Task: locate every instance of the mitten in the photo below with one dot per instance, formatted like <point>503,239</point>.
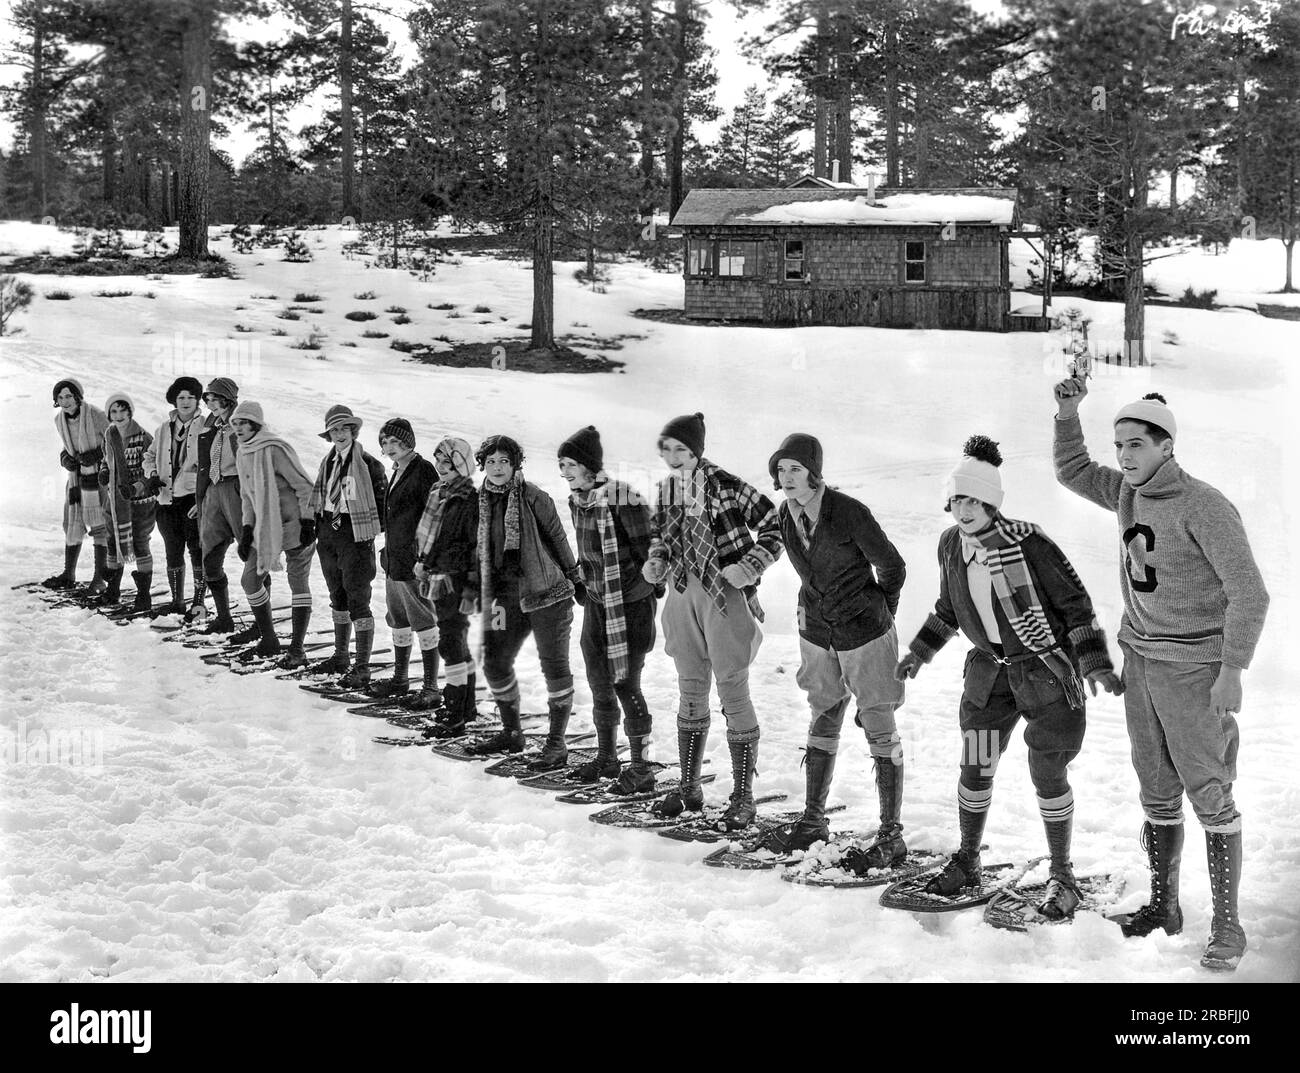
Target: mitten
<point>245,548</point>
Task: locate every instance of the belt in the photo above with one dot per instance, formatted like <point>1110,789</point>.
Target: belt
<point>998,655</point>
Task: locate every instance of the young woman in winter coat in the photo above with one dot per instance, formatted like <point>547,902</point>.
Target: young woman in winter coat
<point>81,429</point>
<point>274,490</point>
<point>171,467</point>
<point>128,502</point>
<point>1016,597</point>
<point>446,536</point>
<point>528,577</point>
<point>611,525</point>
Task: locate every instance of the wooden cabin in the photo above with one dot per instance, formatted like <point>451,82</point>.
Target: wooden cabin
<point>812,254</point>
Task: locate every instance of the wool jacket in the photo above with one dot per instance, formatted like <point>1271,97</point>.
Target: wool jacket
<point>852,575</point>
<point>136,446</point>
<point>547,568</point>
<point>1065,601</point>
<point>631,529</point>
<point>158,458</point>
<point>1192,590</point>
<point>403,503</point>
<point>452,551</point>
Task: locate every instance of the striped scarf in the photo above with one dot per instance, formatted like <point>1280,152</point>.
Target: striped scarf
<point>512,492</point>
<point>1013,584</point>
<point>616,646</point>
<point>81,433</point>
<point>358,494</point>
<point>427,528</point>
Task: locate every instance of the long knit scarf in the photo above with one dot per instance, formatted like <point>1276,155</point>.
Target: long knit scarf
<point>118,492</point>
<point>358,493</point>
<point>81,433</point>
<point>616,646</point>
<point>257,469</point>
<point>430,523</point>
<point>1013,584</point>
<point>512,491</point>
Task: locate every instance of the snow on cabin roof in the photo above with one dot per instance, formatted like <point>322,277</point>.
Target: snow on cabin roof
<point>814,206</point>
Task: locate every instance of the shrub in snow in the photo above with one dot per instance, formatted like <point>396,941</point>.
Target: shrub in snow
<point>58,296</point>
<point>242,238</point>
<point>360,314</point>
<point>303,296</point>
<point>114,294</point>
<point>374,335</point>
<point>395,309</point>
<point>1198,299</point>
<point>15,294</point>
<point>154,244</point>
<point>295,249</point>
<point>364,296</point>
<point>443,306</point>
<point>287,314</point>
<point>401,318</point>
<point>278,331</point>
<point>313,341</point>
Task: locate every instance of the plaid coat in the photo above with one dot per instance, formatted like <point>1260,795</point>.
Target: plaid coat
<point>743,521</point>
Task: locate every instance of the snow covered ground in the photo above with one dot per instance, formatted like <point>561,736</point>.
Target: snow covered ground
<point>240,829</point>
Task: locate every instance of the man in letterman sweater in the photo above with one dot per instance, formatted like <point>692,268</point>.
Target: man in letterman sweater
<point>1194,606</point>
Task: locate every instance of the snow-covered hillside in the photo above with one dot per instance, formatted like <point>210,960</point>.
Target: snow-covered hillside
<point>241,829</point>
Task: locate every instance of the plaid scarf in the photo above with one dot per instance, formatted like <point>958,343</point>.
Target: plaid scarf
<point>358,494</point>
<point>430,523</point>
<point>1013,584</point>
<point>593,507</point>
<point>512,492</point>
<point>118,491</point>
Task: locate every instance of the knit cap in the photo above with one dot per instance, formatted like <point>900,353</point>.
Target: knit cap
<point>225,387</point>
<point>122,397</point>
<point>72,385</point>
<point>399,429</point>
<point>184,383</point>
<point>689,429</point>
<point>976,474</point>
<point>584,448</point>
<point>799,447</point>
<point>1152,409</point>
<point>248,411</point>
<point>458,452</point>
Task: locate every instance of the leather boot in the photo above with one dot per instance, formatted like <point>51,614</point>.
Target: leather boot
<point>143,596</point>
<point>338,663</point>
<point>198,610</point>
<point>1164,845</point>
<point>428,699</point>
<point>359,676</point>
<point>509,739</point>
<point>740,811</point>
<point>65,580</point>
<point>222,622</point>
<point>555,752</point>
<point>887,849</point>
<point>451,721</point>
<point>176,586</point>
<point>400,683</point>
<point>689,796</point>
<point>268,644</point>
<point>1227,937</point>
<point>819,768</point>
<point>99,581</point>
<point>296,657</point>
<point>605,765</point>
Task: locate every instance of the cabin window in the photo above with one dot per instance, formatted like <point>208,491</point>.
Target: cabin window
<point>702,258</point>
<point>914,262</point>
<point>736,258</point>
<point>722,257</point>
<point>794,259</point>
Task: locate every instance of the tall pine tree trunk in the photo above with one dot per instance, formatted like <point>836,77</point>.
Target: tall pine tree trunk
<point>108,161</point>
<point>844,97</point>
<point>38,118</point>
<point>1134,276</point>
<point>891,106</point>
<point>1289,224</point>
<point>345,111</point>
<point>543,330</point>
<point>647,206</point>
<point>196,102</point>
<point>822,116</point>
<point>677,139</point>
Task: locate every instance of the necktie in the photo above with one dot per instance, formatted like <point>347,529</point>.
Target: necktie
<point>336,486</point>
<point>214,470</point>
<point>806,524</point>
